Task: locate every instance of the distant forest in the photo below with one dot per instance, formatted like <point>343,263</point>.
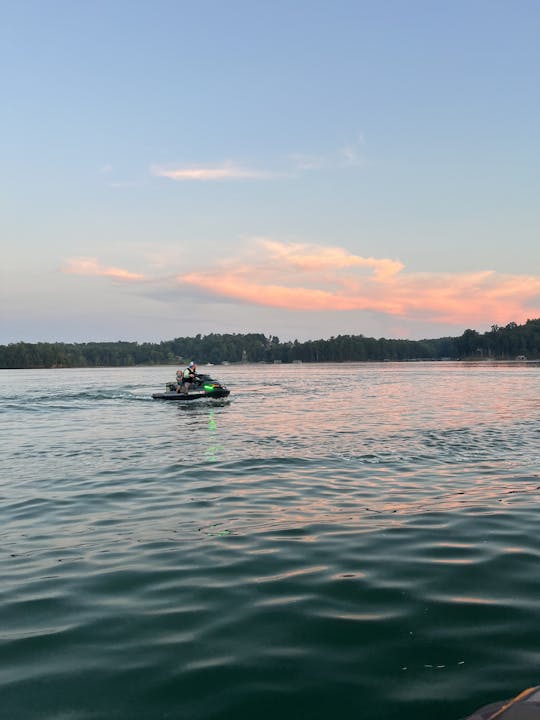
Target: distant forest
<point>500,343</point>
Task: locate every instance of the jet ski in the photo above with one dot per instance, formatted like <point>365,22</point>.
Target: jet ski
<point>203,387</point>
<point>525,706</point>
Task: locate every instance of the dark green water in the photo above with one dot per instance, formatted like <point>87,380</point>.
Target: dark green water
<point>336,541</point>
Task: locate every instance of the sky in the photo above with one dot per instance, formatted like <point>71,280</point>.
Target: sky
<point>303,169</point>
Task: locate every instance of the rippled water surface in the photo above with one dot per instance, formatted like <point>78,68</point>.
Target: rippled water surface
<point>335,541</point>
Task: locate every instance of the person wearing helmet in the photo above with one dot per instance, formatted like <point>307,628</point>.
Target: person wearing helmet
<point>186,378</point>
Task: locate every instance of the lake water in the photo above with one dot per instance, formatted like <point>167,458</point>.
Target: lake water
<point>358,540</point>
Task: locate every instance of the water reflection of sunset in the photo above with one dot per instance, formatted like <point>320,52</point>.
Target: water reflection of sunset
<point>373,516</point>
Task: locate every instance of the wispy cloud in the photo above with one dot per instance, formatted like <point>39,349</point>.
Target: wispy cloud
<point>296,164</point>
<point>349,155</point>
<point>307,162</point>
<point>352,153</point>
<point>202,173</point>
<point>90,266</point>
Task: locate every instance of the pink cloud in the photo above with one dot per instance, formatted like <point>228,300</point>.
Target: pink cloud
<point>310,278</point>
<point>224,172</point>
<point>280,296</point>
<point>313,278</point>
<point>90,266</point>
<point>313,258</point>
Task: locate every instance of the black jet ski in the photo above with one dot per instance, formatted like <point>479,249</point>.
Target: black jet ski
<point>525,706</point>
<point>202,387</point>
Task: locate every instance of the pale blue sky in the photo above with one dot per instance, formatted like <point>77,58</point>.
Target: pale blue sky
<point>170,168</point>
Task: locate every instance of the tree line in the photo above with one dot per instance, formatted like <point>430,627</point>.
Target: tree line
<point>500,343</point>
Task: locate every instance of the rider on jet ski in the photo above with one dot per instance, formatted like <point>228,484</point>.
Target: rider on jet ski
<point>186,378</point>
